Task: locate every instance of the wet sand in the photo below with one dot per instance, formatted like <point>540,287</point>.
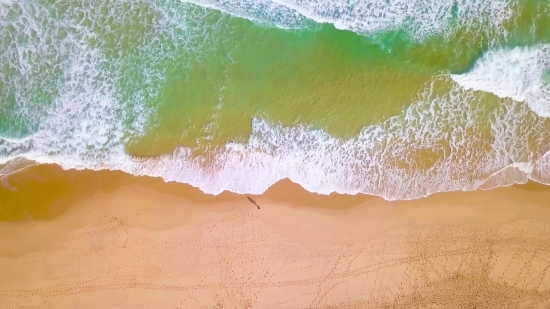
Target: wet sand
<point>82,239</point>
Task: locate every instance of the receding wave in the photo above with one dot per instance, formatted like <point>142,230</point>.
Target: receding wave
<point>69,97</point>
<point>442,142</point>
<point>516,73</point>
<point>71,94</point>
<point>267,12</point>
<point>420,18</point>
<point>447,140</point>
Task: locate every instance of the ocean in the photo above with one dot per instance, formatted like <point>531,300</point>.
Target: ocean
<point>394,98</point>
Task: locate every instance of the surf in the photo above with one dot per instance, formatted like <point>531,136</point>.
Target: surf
<point>516,73</point>
<point>79,94</point>
<point>422,18</point>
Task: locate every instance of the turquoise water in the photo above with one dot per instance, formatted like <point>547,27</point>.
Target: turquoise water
<point>399,99</point>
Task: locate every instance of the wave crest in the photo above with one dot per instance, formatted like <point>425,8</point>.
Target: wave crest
<point>448,139</point>
<point>517,73</point>
<point>420,18</point>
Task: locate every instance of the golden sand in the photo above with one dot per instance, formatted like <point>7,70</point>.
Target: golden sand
<point>82,239</point>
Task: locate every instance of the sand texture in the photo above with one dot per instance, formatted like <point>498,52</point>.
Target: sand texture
<point>140,243</point>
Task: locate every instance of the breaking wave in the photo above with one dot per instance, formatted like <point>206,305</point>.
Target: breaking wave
<point>442,142</point>
<point>516,73</point>
<point>436,145</point>
<point>449,138</point>
<point>420,18</point>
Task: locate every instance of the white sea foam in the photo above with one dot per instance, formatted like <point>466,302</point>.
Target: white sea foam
<point>384,160</point>
<point>262,11</point>
<point>63,77</point>
<point>420,17</point>
<point>86,123</point>
<point>516,73</point>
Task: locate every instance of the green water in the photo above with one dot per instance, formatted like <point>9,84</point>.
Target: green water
<point>324,77</point>
<point>235,69</point>
<point>81,79</point>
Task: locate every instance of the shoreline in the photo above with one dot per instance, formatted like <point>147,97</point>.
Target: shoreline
<point>42,177</point>
<point>108,239</point>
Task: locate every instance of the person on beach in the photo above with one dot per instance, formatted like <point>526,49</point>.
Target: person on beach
<point>253,201</point>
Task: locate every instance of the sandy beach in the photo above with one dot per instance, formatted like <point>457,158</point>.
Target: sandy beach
<point>82,239</point>
<point>132,132</point>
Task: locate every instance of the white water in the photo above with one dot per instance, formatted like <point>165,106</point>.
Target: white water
<point>516,73</point>
<point>87,122</point>
<point>421,18</point>
<point>266,12</point>
<point>382,160</point>
<point>85,125</point>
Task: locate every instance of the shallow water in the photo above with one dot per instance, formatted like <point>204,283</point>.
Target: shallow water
<point>398,100</point>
